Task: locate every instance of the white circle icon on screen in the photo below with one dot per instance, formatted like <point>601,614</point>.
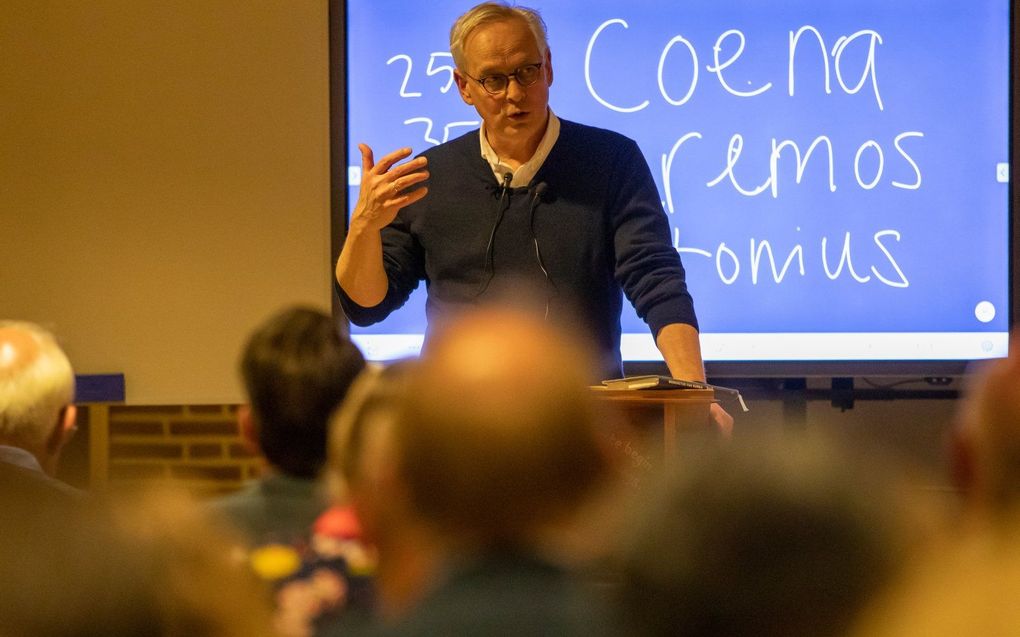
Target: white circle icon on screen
<point>984,311</point>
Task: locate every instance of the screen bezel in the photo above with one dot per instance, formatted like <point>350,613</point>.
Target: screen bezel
<point>742,369</point>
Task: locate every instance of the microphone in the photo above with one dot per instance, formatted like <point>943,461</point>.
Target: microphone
<point>501,206</point>
<point>538,195</point>
<point>502,186</point>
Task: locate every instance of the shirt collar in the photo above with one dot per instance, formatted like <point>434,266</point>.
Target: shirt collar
<point>19,458</point>
<point>527,171</point>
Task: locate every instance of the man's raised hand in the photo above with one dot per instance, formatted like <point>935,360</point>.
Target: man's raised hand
<point>386,187</point>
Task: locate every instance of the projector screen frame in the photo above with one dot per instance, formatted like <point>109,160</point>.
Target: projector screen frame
<point>339,161</point>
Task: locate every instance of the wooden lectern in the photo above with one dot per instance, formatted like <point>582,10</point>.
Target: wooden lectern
<point>680,410</point>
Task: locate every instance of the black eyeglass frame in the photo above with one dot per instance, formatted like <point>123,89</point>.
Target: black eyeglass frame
<point>506,78</point>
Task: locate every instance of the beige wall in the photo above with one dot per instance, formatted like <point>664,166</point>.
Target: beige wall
<point>164,180</point>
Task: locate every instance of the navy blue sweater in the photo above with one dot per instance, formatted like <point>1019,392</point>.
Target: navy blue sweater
<point>589,225</point>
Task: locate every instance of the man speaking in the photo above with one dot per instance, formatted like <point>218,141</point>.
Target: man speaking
<point>527,202</point>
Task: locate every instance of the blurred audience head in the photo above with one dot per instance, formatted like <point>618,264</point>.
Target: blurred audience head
<point>965,587</point>
<point>36,391</point>
<point>359,452</point>
<point>362,474</point>
<point>201,586</point>
<point>986,440</point>
<point>496,434</point>
<point>150,565</point>
<point>765,537</point>
<point>296,369</point>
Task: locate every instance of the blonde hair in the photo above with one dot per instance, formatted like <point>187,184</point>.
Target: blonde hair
<point>487,12</point>
<point>33,392</point>
<point>371,402</point>
<point>202,588</point>
<point>145,561</point>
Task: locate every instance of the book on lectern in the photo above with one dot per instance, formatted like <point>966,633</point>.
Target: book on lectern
<point>654,381</point>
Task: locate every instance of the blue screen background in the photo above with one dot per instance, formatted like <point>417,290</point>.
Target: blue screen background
<point>931,114</point>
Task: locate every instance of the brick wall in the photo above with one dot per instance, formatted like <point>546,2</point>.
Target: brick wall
<point>195,446</point>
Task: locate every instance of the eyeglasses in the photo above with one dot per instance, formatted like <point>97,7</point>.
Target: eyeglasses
<point>498,82</point>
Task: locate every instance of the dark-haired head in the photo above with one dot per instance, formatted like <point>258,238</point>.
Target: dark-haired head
<point>297,369</point>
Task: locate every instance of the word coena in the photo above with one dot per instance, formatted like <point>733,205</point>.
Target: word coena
<point>833,60</point>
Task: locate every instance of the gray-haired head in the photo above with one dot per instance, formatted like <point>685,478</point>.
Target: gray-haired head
<point>36,384</point>
<point>488,12</point>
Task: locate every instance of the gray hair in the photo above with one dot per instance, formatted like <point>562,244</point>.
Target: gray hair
<point>32,394</point>
<point>487,12</point>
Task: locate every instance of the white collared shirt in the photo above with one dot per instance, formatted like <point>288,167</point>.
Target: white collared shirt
<point>526,172</point>
<point>19,458</point>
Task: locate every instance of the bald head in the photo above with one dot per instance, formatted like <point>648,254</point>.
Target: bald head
<point>510,358</point>
<point>36,383</point>
<point>18,350</point>
<point>497,433</point>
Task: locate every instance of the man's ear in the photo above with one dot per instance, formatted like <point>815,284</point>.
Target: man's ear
<point>462,87</point>
<point>63,430</point>
<point>548,67</point>
<point>249,430</point>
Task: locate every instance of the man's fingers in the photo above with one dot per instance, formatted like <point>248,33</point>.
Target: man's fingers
<point>409,179</point>
<point>412,196</point>
<point>388,160</point>
<point>367,159</point>
<point>413,167</point>
<point>722,420</point>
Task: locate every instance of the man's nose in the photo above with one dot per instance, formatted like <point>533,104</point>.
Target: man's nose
<point>515,91</point>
